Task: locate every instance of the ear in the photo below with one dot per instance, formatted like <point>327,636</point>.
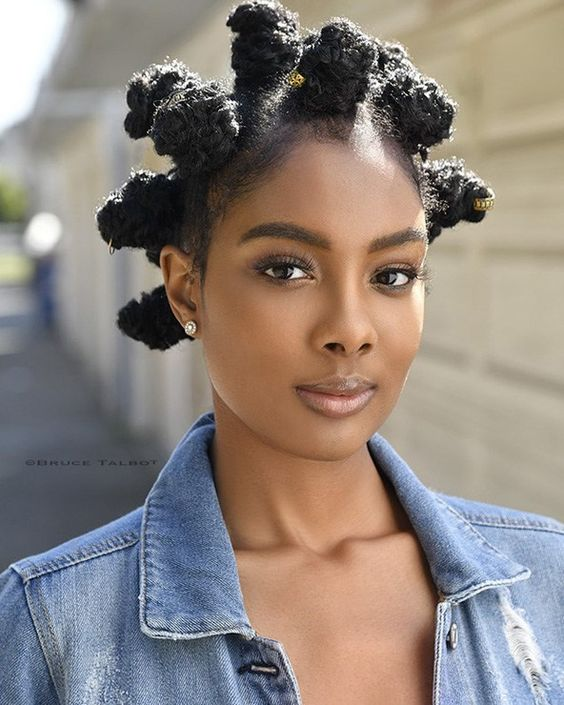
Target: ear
<point>182,285</point>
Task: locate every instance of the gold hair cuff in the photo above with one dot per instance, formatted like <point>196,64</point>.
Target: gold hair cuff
<point>296,79</point>
<point>111,249</point>
<point>483,204</point>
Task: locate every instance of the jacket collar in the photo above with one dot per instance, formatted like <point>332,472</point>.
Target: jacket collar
<point>189,583</point>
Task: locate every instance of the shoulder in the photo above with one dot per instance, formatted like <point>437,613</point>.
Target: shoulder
<point>101,563</point>
<point>115,536</point>
<point>45,598</point>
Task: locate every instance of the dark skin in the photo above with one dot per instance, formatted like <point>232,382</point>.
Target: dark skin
<point>287,476</point>
<point>302,499</point>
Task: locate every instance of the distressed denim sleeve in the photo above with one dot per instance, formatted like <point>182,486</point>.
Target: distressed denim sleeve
<point>24,675</point>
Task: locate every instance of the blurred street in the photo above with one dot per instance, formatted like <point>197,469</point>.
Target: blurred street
<point>64,467</point>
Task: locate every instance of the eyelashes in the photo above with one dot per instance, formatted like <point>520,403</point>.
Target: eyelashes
<point>307,264</point>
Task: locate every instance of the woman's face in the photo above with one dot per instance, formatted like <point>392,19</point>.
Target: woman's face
<point>278,313</point>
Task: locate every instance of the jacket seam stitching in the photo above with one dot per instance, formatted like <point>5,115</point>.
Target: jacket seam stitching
<point>473,590</point>
<point>525,526</point>
<point>39,635</point>
<point>67,561</point>
<point>439,644</point>
<point>143,607</point>
<point>506,521</point>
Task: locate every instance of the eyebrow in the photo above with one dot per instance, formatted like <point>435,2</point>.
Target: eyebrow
<point>290,231</point>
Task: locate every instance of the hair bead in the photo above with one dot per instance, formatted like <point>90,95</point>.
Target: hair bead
<point>295,79</point>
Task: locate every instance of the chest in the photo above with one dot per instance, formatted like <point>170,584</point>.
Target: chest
<point>360,629</point>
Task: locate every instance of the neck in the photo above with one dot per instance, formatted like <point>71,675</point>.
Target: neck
<point>272,499</point>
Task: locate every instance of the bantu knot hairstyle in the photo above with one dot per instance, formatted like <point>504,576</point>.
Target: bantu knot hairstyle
<point>336,63</point>
<point>421,111</point>
<point>196,126</point>
<point>456,190</point>
<point>266,47</point>
<point>145,211</point>
<point>146,88</point>
<point>220,139</point>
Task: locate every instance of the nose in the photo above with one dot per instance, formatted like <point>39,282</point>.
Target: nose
<point>349,328</point>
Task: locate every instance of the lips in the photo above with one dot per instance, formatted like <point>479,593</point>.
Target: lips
<point>336,405</point>
<point>339,385</point>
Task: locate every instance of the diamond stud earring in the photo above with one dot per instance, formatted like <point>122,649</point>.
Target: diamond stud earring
<point>191,327</point>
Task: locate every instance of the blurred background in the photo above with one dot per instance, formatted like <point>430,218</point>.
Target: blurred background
<point>88,417</point>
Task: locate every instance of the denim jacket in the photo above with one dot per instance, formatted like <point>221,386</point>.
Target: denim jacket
<point>148,608</point>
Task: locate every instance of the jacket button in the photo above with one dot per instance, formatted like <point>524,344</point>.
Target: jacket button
<point>452,636</point>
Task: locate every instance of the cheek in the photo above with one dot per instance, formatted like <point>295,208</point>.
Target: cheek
<point>248,336</point>
<point>399,332</point>
<point>249,317</point>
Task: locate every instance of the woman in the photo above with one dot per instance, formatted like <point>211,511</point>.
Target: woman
<point>287,553</point>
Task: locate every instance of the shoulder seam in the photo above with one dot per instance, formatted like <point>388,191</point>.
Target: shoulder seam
<point>33,618</point>
<point>515,524</point>
<point>523,522</point>
<point>30,570</point>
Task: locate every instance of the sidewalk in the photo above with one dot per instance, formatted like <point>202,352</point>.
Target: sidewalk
<point>49,418</point>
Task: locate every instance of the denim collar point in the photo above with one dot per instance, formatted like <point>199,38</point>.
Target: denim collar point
<point>189,582</point>
<point>462,562</point>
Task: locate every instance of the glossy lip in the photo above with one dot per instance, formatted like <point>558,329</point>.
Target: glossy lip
<point>336,406</point>
<point>340,385</point>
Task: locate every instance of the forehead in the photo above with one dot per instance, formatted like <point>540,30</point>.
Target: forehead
<point>357,187</point>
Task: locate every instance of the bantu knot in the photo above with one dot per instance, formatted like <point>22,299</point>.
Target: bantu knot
<point>146,211</point>
<point>197,126</point>
<point>144,90</point>
<point>420,109</point>
<point>391,55</point>
<point>151,320</point>
<point>455,189</point>
<point>336,65</point>
<point>267,45</point>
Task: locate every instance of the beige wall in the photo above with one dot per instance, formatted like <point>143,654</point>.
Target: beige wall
<point>482,413</point>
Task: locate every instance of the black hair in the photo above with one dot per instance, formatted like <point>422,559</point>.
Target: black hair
<point>222,139</point>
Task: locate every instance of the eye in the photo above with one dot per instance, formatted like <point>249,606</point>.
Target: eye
<point>409,273</point>
<point>397,273</point>
<point>283,262</point>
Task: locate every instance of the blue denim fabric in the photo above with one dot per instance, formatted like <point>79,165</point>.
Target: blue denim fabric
<point>148,608</point>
